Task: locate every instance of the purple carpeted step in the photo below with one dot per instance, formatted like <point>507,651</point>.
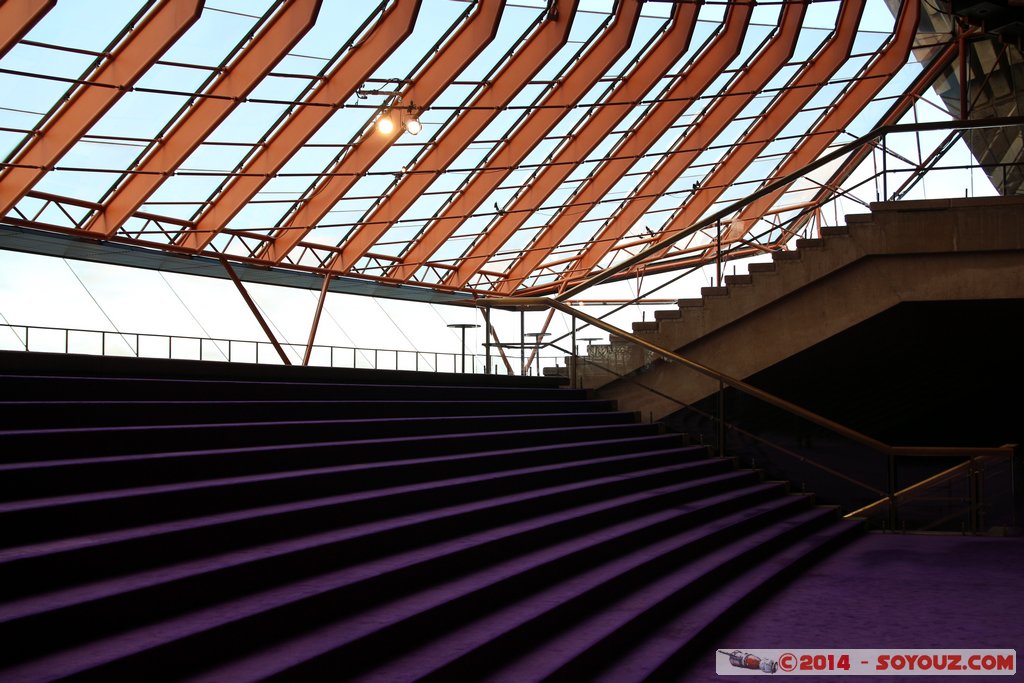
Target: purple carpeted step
<point>61,477</point>
<point>64,617</point>
<point>90,413</point>
<point>86,441</point>
<point>421,612</point>
<point>51,386</point>
<point>580,652</point>
<point>662,654</point>
<point>28,521</point>
<point>433,444</point>
<point>30,569</point>
<point>481,644</point>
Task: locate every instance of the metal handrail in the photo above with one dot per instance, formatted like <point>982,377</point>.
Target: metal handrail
<point>891,452</point>
<point>734,428</point>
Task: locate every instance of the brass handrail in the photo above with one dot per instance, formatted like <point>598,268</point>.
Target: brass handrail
<point>913,487</point>
<point>891,452</point>
<point>749,389</point>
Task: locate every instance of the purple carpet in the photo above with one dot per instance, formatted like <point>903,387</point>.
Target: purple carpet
<point>892,591</point>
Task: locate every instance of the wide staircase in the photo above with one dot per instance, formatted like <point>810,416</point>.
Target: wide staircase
<point>202,521</point>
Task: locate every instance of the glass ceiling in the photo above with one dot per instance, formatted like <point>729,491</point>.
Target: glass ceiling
<point>534,142</point>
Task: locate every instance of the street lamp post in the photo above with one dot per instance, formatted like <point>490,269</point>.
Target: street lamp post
<point>463,327</point>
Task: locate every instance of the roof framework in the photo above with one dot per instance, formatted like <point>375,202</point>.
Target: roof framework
<point>556,134</point>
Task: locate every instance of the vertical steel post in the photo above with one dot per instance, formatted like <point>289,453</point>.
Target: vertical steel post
<point>522,341</point>
<point>721,419</point>
<point>891,491</point>
<point>718,256</point>
<point>885,170</point>
<point>573,357</point>
<point>973,493</point>
<point>487,339</point>
<point>962,41</point>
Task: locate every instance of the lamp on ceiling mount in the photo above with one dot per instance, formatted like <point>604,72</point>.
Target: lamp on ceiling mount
<point>411,119</point>
<point>385,124</point>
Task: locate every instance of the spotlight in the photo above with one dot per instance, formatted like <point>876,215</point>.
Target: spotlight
<point>385,125</point>
<point>413,126</point>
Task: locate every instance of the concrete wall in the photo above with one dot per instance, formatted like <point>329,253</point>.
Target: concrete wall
<point>930,250</point>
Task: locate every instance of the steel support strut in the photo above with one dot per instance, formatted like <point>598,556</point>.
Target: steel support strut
<point>316,319</point>
<point>513,150</point>
<point>260,55</point>
<point>160,28</point>
<point>394,26</point>
<point>17,17</point>
<point>684,92</point>
<point>473,36</point>
<point>756,75</point>
<point>255,311</point>
<point>632,88</point>
<point>852,102</point>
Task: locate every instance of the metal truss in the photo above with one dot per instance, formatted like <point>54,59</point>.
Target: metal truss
<point>534,142</point>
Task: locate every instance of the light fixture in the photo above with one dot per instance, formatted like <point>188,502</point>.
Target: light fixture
<point>411,120</point>
<point>385,124</point>
<point>413,126</point>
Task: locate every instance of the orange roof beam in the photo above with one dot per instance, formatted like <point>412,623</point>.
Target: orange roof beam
<point>852,102</point>
<point>802,89</point>
<point>645,133</point>
<point>284,29</point>
<point>514,149</point>
<point>17,17</point>
<point>139,50</point>
<point>352,70</point>
<point>632,88</point>
<point>502,89</point>
<point>755,76</point>
<point>433,79</point>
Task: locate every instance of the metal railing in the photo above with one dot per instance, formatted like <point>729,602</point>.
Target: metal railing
<point>185,347</point>
<point>892,495</point>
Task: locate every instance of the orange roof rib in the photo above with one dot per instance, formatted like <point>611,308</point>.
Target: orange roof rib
<point>139,50</point>
<point>514,149</point>
<point>503,88</point>
<point>469,42</point>
<point>719,115</point>
<point>792,100</point>
<point>17,17</point>
<point>351,71</point>
<point>259,56</point>
<point>687,88</point>
<point>878,73</point>
<point>634,86</point>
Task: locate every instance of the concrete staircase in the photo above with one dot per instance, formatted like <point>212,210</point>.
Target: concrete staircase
<point>199,521</point>
<point>934,250</point>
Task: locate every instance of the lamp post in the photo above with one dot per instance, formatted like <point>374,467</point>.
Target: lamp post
<point>463,327</point>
